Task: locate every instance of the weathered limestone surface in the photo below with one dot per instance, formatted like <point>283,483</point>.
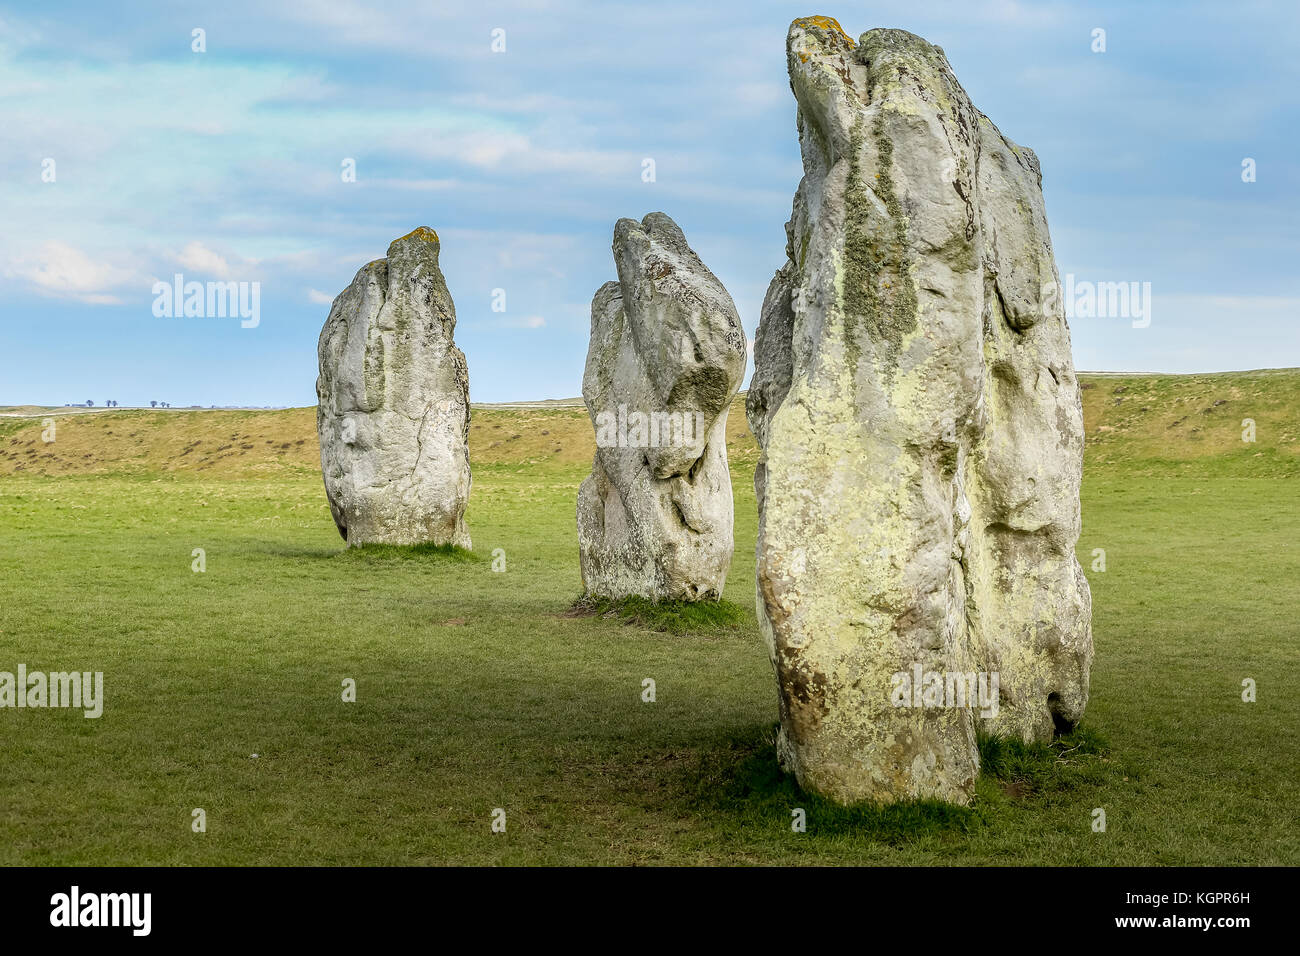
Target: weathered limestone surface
<point>393,412</point>
<point>921,432</point>
<point>667,355</point>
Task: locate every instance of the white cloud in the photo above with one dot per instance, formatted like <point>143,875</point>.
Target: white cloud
<point>527,322</point>
<point>317,297</point>
<point>494,149</point>
<point>1021,14</point>
<point>199,258</point>
<point>416,27</point>
<point>64,271</point>
<point>420,185</point>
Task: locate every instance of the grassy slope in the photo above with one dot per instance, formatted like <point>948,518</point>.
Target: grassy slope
<point>476,690</point>
<point>1166,424</point>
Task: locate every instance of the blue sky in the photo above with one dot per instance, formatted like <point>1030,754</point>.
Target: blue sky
<point>227,165</point>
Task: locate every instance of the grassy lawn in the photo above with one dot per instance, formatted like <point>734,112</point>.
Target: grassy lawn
<point>479,689</point>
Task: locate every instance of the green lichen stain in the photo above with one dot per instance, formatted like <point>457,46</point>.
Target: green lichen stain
<point>375,359</point>
<point>374,367</point>
<point>878,287</point>
<point>403,352</point>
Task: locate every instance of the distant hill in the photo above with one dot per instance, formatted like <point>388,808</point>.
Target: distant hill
<point>1148,424</point>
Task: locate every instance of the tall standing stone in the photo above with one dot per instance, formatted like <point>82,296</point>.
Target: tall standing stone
<point>393,412</point>
<point>667,355</point>
<point>921,435</point>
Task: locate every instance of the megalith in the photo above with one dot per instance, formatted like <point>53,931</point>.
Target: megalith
<point>666,357</point>
<point>393,403</point>
<point>920,432</point>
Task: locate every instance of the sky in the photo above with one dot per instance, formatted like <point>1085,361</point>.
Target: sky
<point>128,156</point>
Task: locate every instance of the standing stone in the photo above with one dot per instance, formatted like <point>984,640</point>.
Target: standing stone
<point>393,412</point>
<point>921,435</point>
<point>667,355</point>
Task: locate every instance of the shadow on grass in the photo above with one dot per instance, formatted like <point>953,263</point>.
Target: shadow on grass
<point>278,550</point>
<point>409,552</point>
<point>674,617</point>
<point>742,779</point>
<point>381,553</point>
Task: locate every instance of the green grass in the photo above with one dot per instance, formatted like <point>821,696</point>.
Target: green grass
<point>479,689</point>
<point>1066,763</point>
<point>674,617</point>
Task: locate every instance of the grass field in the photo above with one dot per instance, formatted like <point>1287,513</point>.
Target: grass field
<point>479,689</point>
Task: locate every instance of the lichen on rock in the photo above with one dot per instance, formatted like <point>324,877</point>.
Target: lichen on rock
<point>666,357</point>
<point>920,431</point>
<point>393,403</point>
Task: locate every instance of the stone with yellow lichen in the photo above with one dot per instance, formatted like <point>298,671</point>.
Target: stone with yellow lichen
<point>393,403</point>
<point>666,356</point>
<point>920,430</point>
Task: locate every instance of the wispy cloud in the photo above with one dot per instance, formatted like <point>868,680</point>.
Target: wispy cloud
<point>228,164</point>
<point>199,258</point>
<point>63,271</point>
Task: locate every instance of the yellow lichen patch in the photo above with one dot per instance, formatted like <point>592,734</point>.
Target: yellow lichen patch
<point>421,232</point>
<point>829,24</point>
